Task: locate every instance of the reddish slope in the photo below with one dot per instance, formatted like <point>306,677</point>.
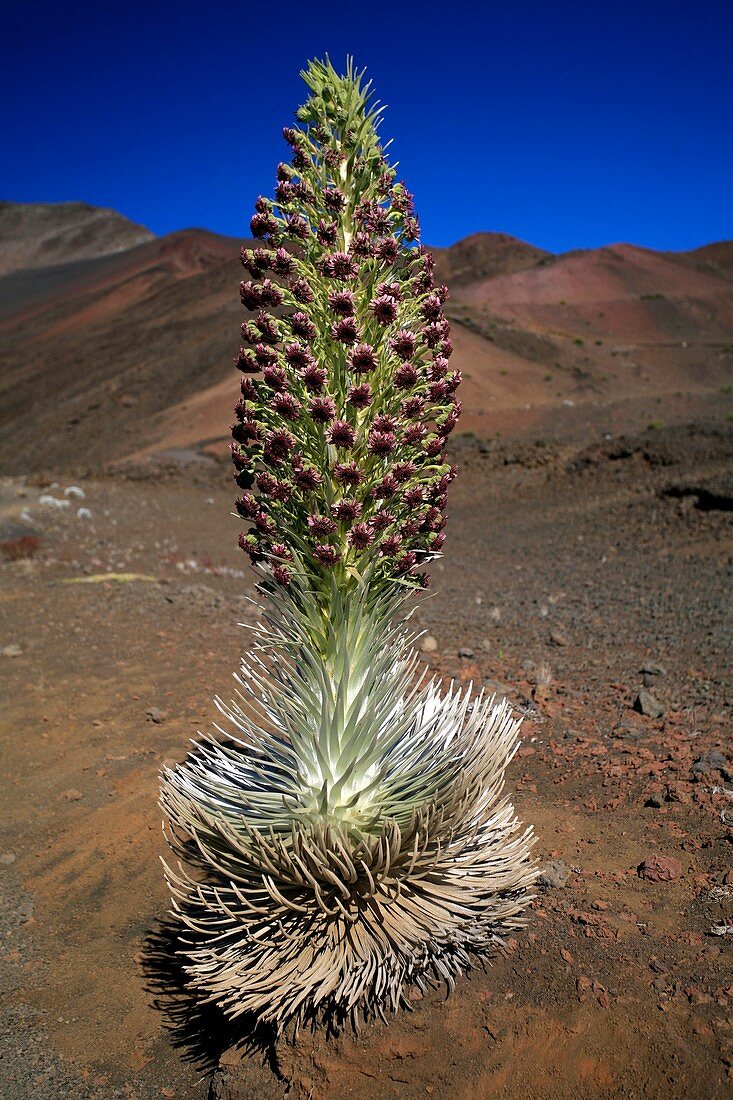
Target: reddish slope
<point>129,354</point>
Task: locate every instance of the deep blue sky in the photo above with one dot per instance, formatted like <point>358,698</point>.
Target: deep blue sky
<point>567,124</point>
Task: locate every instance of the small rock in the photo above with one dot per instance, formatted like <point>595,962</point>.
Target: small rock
<point>656,868</point>
<point>554,874</point>
<point>712,761</point>
<point>486,645</point>
<point>7,858</point>
<point>155,714</point>
<point>646,703</point>
<point>558,638</point>
<point>661,985</point>
<point>74,491</point>
<point>25,911</point>
<point>12,651</point>
<point>467,652</point>
<point>72,795</point>
<point>651,669</point>
<point>655,800</point>
<point>429,644</point>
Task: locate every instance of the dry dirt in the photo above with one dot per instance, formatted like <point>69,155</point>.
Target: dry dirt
<point>573,577</point>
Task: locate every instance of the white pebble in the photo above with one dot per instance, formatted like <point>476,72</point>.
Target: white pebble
<point>74,491</point>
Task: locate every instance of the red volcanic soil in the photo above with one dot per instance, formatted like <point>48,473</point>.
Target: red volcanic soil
<point>573,577</point>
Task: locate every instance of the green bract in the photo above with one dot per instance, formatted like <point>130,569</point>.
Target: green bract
<point>346,835</point>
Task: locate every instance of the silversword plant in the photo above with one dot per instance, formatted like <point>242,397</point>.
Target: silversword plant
<point>346,836</point>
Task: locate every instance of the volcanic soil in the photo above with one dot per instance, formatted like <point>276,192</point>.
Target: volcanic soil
<point>589,583</point>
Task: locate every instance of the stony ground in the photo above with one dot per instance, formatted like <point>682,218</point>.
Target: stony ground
<point>590,586</point>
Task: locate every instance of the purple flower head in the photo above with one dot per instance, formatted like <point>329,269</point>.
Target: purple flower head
<point>391,290</point>
<point>384,423</point>
<point>282,490</point>
<point>433,447</point>
<point>321,525</point>
<point>438,368</point>
<point>276,378</point>
<point>405,376</point>
<point>262,225</point>
<point>307,478</point>
<point>283,263</point>
<point>284,171</point>
<point>278,445</point>
<point>265,482</point>
<point>246,361</point>
<point>405,562</point>
<point>342,302</point>
<point>333,199</point>
<point>446,348</point>
<point>382,520</point>
<point>285,192</point>
<point>360,397</point>
<point>270,293</point>
<point>431,308</point>
<point>326,554</point>
<point>267,326</point>
<point>265,523</point>
<point>361,245</point>
<point>247,389</point>
<point>282,575</point>
<point>280,550</point>
<point>326,232</point>
<point>414,434</point>
<point>346,330</point>
<point>433,333</point>
<point>437,390</point>
<point>301,291</point>
<point>362,358</point>
<point>390,545</point>
<point>411,229</point>
<point>339,265</point>
<point>384,309</point>
<point>313,377</point>
<point>250,294</point>
<point>385,488</point>
<point>266,357</point>
<point>348,473</point>
<point>360,536</point>
<point>403,344</point>
<point>414,496</point>
<point>286,405</point>
<point>241,462</point>
<point>387,250</point>
<point>251,545</point>
<point>301,325</point>
<point>381,444</point>
<point>412,407</point>
<point>297,356</point>
<point>247,432</point>
<point>297,227</point>
<point>403,471</point>
<point>341,434</point>
<point>346,510</point>
<point>322,409</point>
<point>247,506</point>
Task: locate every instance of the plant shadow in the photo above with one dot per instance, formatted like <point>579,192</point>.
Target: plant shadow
<point>197,1027</point>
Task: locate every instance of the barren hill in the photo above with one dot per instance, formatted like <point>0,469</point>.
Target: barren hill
<point>128,355</point>
<point>34,235</point>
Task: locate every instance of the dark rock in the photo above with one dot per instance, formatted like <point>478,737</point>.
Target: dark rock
<point>652,669</point>
<point>646,703</point>
<point>467,652</point>
<point>654,800</point>
<point>554,874</point>
<point>712,761</point>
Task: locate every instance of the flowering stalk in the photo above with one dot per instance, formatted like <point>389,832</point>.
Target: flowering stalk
<point>349,835</point>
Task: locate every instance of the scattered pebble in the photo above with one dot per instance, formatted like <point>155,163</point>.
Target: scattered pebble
<point>554,874</point>
<point>12,651</point>
<point>74,491</point>
<point>83,513</point>
<point>648,704</point>
<point>72,795</point>
<point>7,858</point>
<point>429,644</point>
<point>155,714</point>
<point>656,868</point>
<point>712,761</point>
<point>558,638</point>
<point>466,652</point>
